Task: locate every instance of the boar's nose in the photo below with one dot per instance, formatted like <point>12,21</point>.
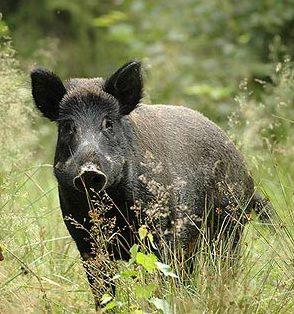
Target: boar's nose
<point>90,178</point>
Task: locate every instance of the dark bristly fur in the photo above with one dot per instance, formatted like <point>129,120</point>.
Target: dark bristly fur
<point>101,124</point>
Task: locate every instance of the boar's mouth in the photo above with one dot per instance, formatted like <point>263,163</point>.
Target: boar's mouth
<point>90,178</point>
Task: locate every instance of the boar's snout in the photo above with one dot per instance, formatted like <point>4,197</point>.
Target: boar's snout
<point>90,178</point>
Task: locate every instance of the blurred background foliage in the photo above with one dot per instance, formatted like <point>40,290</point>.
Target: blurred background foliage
<point>194,52</point>
<point>15,109</point>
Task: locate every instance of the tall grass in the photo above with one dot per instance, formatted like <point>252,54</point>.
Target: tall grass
<point>260,281</point>
<point>40,263</point>
<point>42,269</point>
<point>42,272</point>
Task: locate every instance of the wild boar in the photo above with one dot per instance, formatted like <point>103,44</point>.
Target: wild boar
<point>104,134</point>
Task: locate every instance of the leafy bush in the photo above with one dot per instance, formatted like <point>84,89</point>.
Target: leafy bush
<point>198,51</point>
<point>15,112</point>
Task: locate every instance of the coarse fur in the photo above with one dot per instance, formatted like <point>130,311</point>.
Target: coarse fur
<point>102,124</point>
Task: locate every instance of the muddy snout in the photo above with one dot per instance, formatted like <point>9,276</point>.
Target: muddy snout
<point>90,178</point>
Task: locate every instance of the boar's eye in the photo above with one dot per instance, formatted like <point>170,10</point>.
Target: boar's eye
<point>107,124</point>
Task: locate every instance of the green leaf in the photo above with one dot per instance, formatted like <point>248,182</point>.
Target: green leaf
<point>143,232</point>
<point>144,292</point>
<point>166,270</point>
<point>134,250</point>
<point>109,19</point>
<point>128,273</point>
<point>105,298</point>
<point>161,304</point>
<point>111,305</point>
<point>147,261</point>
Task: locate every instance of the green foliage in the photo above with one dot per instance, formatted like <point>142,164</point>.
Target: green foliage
<point>139,274</point>
<point>109,19</point>
<point>199,51</point>
<point>166,270</point>
<point>15,112</point>
<point>271,118</point>
<point>147,261</point>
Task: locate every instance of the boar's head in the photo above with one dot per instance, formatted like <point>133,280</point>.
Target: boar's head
<point>91,146</point>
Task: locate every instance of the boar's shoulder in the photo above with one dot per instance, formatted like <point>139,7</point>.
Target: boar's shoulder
<point>190,148</point>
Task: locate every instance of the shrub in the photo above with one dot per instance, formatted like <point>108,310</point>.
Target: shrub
<point>15,112</point>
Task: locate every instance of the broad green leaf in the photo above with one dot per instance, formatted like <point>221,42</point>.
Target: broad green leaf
<point>109,306</point>
<point>147,261</point>
<point>134,250</point>
<point>144,292</point>
<point>128,273</point>
<point>166,270</point>
<point>161,304</point>
<point>105,298</point>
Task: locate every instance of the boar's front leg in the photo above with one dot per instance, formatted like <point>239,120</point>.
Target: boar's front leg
<point>95,260</point>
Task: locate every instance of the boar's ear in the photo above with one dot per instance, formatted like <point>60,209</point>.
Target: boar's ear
<point>126,85</point>
<point>47,90</point>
